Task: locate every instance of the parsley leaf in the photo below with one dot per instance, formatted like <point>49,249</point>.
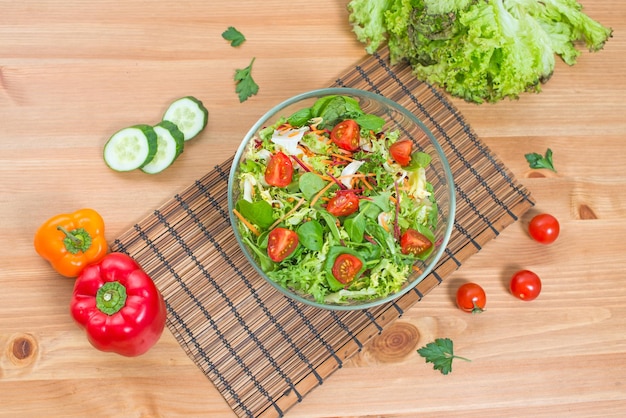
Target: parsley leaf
<point>246,86</point>
<point>233,36</point>
<point>536,160</point>
<point>441,354</point>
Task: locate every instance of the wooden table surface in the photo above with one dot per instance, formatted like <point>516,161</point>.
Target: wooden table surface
<point>73,72</point>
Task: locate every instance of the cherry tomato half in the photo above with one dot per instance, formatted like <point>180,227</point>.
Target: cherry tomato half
<point>470,297</point>
<point>413,242</point>
<point>279,170</point>
<point>343,204</point>
<point>525,285</point>
<point>281,242</point>
<point>544,228</point>
<point>346,135</point>
<point>401,152</point>
<point>346,267</point>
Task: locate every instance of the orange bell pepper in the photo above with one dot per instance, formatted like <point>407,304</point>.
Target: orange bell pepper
<point>71,241</point>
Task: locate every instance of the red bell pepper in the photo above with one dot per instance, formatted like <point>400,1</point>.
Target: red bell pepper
<point>119,306</point>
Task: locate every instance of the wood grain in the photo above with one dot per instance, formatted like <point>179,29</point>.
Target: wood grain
<point>71,73</point>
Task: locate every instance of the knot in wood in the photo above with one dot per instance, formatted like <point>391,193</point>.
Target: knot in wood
<point>585,212</point>
<point>395,343</point>
<point>22,349</point>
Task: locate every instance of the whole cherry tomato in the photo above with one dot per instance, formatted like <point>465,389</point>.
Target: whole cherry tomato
<point>525,285</point>
<point>343,204</point>
<point>279,170</point>
<point>401,151</point>
<point>544,228</point>
<point>346,267</point>
<point>471,298</point>
<point>346,135</point>
<point>414,242</point>
<point>281,242</point>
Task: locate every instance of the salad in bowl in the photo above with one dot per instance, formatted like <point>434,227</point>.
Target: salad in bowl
<point>341,199</point>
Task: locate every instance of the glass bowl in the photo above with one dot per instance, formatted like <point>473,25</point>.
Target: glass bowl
<point>396,119</point>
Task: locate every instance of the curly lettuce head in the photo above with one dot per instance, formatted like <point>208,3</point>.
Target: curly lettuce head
<point>480,50</point>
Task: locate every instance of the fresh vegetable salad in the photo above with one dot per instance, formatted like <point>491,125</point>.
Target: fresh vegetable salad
<point>334,207</point>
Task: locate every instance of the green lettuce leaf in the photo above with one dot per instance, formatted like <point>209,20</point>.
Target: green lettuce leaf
<point>367,17</point>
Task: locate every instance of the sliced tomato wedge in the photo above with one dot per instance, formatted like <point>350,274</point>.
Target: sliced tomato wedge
<point>343,204</point>
<point>281,242</point>
<point>346,135</point>
<point>401,152</point>
<point>346,267</point>
<point>279,170</point>
<point>414,242</point>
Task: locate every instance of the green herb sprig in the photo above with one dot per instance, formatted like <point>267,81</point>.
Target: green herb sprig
<point>440,353</point>
<point>246,86</point>
<point>233,36</point>
<point>536,160</point>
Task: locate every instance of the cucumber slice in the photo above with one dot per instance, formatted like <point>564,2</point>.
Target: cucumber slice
<point>189,114</point>
<point>170,144</point>
<point>130,148</point>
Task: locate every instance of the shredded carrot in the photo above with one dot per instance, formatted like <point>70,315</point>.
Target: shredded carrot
<point>417,269</point>
<point>384,224</point>
<point>343,151</point>
<point>342,157</point>
<point>300,202</point>
<point>306,150</point>
<point>321,193</point>
<point>323,177</point>
<point>366,183</point>
<point>356,175</point>
<point>347,176</point>
<point>247,223</point>
<point>284,127</point>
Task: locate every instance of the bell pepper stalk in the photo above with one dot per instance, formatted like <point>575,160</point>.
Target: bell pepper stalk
<point>70,241</point>
<point>118,306</point>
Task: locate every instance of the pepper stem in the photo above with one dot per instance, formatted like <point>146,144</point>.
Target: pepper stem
<point>76,240</point>
<point>111,297</point>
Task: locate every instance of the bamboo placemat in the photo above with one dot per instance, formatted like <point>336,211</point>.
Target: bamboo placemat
<point>263,351</point>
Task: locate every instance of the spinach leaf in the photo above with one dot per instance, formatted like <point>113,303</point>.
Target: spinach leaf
<point>320,105</point>
<point>259,213</point>
<point>382,237</point>
<point>310,184</point>
<point>370,252</point>
<point>370,122</point>
<point>418,160</point>
<point>330,221</point>
<point>333,253</point>
<point>311,235</point>
<point>355,227</point>
<point>265,262</point>
<point>300,118</point>
<point>381,200</point>
<point>333,109</point>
